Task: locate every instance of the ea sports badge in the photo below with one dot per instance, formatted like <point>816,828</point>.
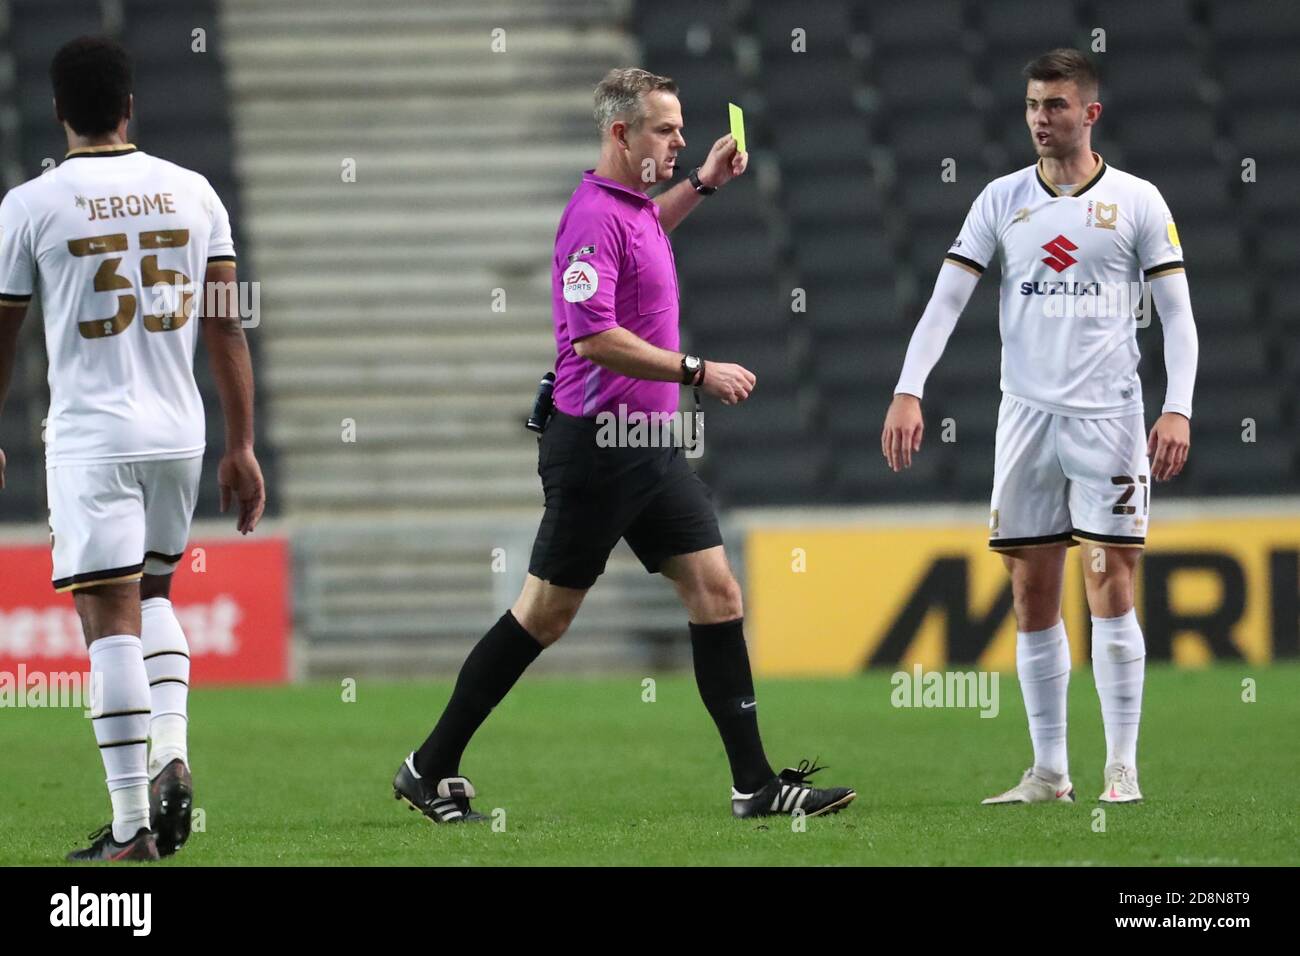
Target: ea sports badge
<point>580,282</point>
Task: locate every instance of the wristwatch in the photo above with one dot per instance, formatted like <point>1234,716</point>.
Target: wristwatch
<point>691,365</point>
<point>700,188</point>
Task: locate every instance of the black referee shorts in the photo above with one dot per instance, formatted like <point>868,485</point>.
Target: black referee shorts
<point>648,496</point>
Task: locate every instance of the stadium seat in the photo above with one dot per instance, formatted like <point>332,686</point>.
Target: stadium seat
<point>918,25</point>
<point>733,317</point>
<point>1127,79</point>
<point>827,26</point>
<point>923,140</point>
<point>1194,193</point>
<point>1245,22</point>
<point>1223,301</point>
<point>853,304</point>
<point>1020,24</point>
<point>799,84</point>
<point>1231,357</point>
<point>1266,133</point>
<point>753,474</point>
<point>1229,466</point>
<point>837,144</point>
<point>732,256</point>
<point>1217,248</point>
<point>1147,133</point>
<point>970,465</point>
<point>1128,25</point>
<point>910,79</point>
<point>834,251</point>
<point>38,28</point>
<point>165,30</point>
<point>831,197</point>
<point>1219,410</point>
<point>677,27</point>
<point>861,474</point>
<point>932,202</point>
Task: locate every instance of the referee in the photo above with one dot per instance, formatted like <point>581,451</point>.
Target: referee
<point>615,296</point>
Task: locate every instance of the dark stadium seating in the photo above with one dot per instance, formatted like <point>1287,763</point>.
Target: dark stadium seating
<point>182,114</point>
<point>859,219</point>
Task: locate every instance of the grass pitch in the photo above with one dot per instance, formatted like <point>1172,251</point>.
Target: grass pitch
<point>586,773</point>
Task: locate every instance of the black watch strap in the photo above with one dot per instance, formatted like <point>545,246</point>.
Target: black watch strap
<point>700,188</point>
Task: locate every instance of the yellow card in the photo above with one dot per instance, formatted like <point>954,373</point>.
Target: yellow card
<point>737,125</point>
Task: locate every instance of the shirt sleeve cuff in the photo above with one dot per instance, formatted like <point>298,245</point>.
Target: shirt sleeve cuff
<point>590,328</point>
<point>1184,410</point>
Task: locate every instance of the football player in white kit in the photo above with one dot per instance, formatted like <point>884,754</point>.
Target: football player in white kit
<point>114,240</point>
<point>1073,236</point>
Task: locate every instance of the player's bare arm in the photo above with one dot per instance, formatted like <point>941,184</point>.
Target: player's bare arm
<point>628,354</point>
<point>724,163</point>
<point>239,474</point>
<point>11,320</point>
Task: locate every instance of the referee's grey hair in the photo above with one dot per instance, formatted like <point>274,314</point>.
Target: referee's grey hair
<point>619,96</point>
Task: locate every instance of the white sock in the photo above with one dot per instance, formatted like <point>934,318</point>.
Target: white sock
<point>1118,666</point>
<point>1043,667</point>
<point>122,706</point>
<point>167,660</point>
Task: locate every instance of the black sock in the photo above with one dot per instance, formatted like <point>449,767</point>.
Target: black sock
<point>727,688</point>
<point>491,669</point>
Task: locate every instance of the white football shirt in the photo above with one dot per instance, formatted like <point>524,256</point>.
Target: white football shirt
<point>1072,268</point>
<point>118,243</point>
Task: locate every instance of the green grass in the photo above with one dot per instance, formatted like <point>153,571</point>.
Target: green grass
<point>588,774</point>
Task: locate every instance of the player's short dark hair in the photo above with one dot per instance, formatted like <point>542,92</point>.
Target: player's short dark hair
<point>93,80</point>
<point>1065,64</point>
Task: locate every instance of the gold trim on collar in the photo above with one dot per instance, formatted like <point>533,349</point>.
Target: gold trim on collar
<point>106,148</point>
<point>1089,181</point>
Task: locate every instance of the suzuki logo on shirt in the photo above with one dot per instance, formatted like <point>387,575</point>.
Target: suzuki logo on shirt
<point>1060,258</point>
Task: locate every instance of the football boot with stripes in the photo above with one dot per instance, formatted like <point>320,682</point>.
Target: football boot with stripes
<point>104,849</point>
<point>442,801</point>
<point>788,792</point>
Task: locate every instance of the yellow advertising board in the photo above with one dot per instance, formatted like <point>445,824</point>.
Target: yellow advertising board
<point>835,599</point>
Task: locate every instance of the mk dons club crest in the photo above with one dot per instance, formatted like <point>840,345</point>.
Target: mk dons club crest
<point>1103,215</point>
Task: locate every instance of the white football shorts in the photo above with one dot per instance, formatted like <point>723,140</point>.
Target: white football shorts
<point>110,523</point>
<point>1061,479</point>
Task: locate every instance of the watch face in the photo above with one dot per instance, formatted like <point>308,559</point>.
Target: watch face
<point>692,363</point>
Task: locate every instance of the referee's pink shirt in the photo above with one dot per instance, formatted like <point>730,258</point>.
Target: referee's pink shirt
<point>613,266</point>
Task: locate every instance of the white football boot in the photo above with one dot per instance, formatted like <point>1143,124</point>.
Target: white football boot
<point>1037,786</point>
<point>1121,785</point>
